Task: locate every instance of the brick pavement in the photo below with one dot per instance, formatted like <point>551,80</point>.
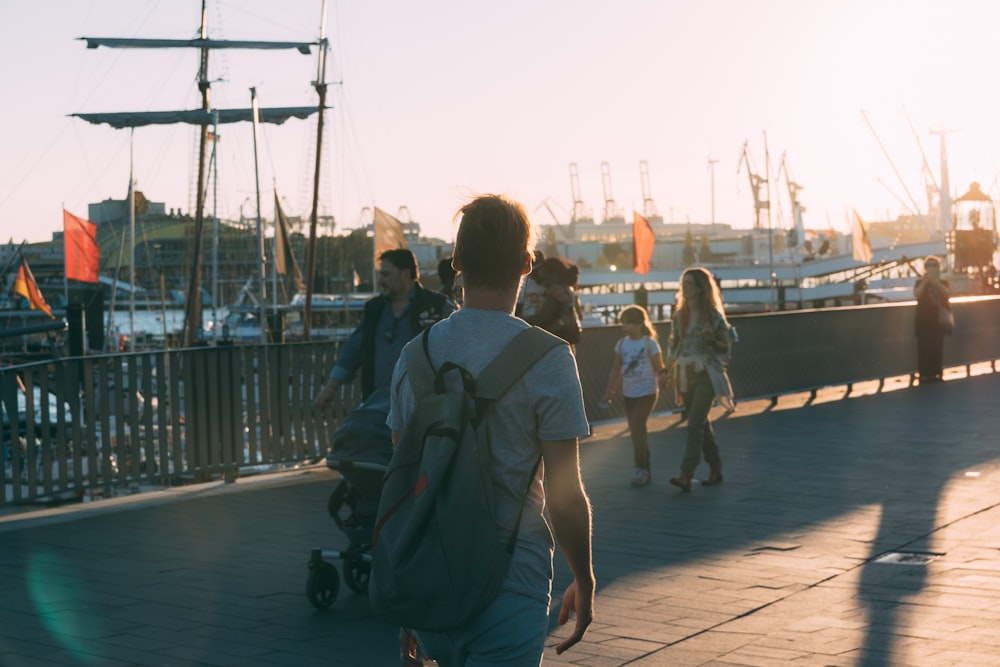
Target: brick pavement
<point>777,566</point>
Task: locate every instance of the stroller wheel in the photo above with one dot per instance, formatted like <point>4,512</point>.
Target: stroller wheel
<point>323,585</point>
<point>356,574</point>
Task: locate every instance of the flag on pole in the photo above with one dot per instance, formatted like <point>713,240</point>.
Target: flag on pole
<point>862,247</point>
<point>643,240</point>
<point>285,259</point>
<point>388,233</point>
<point>80,250</point>
<point>26,286</point>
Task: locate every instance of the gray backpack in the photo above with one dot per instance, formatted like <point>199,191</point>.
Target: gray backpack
<point>438,557</point>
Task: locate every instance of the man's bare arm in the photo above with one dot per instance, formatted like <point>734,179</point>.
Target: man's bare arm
<point>569,509</point>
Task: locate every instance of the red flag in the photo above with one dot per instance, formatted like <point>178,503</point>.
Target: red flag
<point>83,256</point>
<point>26,286</point>
<point>643,240</point>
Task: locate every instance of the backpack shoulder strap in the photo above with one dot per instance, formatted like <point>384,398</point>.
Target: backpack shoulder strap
<point>520,354</point>
<point>418,365</point>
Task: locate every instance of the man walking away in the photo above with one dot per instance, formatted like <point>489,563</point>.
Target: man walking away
<point>541,415</point>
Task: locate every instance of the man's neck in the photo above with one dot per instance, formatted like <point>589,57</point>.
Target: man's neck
<point>481,298</point>
<point>399,301</point>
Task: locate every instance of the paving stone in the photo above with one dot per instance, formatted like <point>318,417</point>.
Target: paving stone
<point>773,567</point>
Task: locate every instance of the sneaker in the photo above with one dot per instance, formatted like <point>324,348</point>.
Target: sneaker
<point>640,477</point>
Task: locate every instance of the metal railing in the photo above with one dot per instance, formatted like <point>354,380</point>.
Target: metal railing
<point>110,424</point>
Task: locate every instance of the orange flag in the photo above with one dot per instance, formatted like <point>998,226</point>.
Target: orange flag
<point>643,240</point>
<point>388,233</point>
<point>285,258</point>
<point>861,245</point>
<point>26,286</point>
<point>83,256</point>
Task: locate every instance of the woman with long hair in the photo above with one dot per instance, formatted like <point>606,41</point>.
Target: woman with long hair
<point>698,351</point>
<point>638,367</point>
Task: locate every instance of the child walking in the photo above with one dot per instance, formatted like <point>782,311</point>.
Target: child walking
<point>638,367</point>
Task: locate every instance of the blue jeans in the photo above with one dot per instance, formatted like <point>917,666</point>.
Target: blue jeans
<point>510,632</point>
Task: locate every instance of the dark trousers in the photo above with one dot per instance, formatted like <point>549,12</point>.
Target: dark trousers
<point>637,411</point>
<point>700,437</point>
<point>930,352</point>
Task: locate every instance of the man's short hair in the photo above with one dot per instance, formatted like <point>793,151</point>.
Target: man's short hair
<point>403,259</point>
<point>446,273</point>
<point>493,241</point>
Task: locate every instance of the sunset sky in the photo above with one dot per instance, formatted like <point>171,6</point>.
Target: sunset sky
<point>439,100</point>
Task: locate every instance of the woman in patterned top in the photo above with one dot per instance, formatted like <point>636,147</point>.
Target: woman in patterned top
<point>698,351</point>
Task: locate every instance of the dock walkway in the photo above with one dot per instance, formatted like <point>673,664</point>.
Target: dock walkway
<point>857,530</point>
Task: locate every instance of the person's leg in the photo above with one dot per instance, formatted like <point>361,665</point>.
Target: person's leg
<point>710,450</point>
<point>698,400</point>
<point>637,412</point>
<point>936,360</point>
<point>510,632</point>
<point>922,358</point>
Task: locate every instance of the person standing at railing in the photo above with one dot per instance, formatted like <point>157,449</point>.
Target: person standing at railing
<point>639,369</point>
<point>697,353</point>
<point>403,309</point>
<point>559,311</point>
<point>932,320</point>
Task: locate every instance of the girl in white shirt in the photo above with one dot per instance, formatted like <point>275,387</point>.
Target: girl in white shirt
<point>638,366</point>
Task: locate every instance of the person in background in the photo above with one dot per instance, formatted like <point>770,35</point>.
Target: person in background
<point>698,352</point>
<point>559,311</point>
<point>451,286</point>
<point>541,415</point>
<point>932,295</point>
<point>403,309</point>
<point>639,369</point>
<point>531,292</point>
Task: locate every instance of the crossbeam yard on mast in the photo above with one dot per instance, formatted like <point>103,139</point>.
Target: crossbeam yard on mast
<point>196,43</point>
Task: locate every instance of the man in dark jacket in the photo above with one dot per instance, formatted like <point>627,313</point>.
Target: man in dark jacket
<point>402,310</point>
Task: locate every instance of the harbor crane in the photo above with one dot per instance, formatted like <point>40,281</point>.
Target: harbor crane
<point>796,235</point>
<point>756,181</point>
<point>612,212</point>
<point>580,213</point>
<point>648,205</point>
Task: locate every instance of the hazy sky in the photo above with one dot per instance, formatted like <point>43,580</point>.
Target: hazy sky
<point>442,99</point>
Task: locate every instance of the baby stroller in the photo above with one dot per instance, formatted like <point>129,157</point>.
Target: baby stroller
<point>362,447</point>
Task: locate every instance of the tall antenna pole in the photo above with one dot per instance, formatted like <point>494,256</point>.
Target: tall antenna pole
<point>944,198</point>
<point>711,170</point>
<point>770,231</point>
<point>320,85</point>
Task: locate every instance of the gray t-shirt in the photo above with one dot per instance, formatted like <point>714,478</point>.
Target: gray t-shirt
<point>546,403</point>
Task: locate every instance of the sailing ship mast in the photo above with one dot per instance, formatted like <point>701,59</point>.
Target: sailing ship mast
<point>320,85</point>
<point>202,117</point>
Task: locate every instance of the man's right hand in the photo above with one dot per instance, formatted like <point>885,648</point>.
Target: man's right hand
<point>326,395</point>
<point>581,604</point>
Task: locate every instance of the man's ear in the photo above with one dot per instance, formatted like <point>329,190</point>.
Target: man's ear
<point>455,264</point>
<point>526,269</point>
